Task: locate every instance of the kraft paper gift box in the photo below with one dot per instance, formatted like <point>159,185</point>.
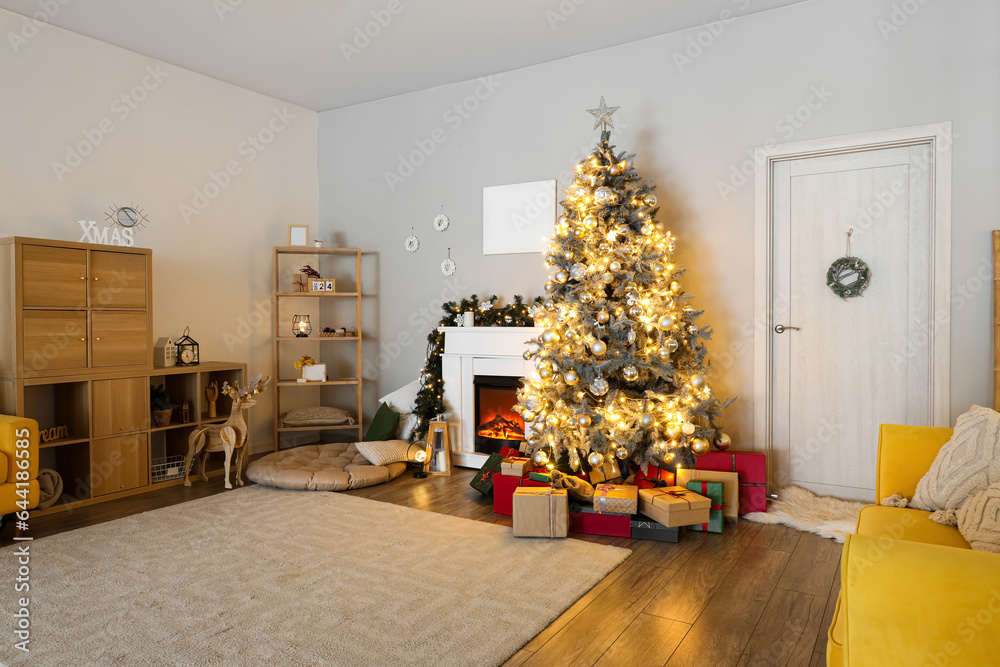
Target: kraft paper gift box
<point>584,519</point>
<point>504,487</point>
<point>616,498</point>
<point>483,481</point>
<point>515,467</point>
<point>731,492</point>
<point>608,473</point>
<point>674,506</point>
<point>752,469</point>
<point>644,528</point>
<point>541,512</point>
<point>714,491</point>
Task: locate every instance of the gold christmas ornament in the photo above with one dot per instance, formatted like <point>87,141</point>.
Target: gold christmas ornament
<point>647,420</point>
<point>621,452</point>
<point>608,278</point>
<point>603,317</point>
<point>688,428</point>
<point>550,286</point>
<point>527,355</point>
<point>646,229</point>
<point>663,353</point>
<point>590,222</point>
<point>528,415</point>
<point>699,446</point>
<point>697,381</point>
<point>650,200</point>
<point>723,441</point>
<point>671,345</point>
<point>541,458</point>
<point>584,421</point>
<point>544,373</point>
<point>657,267</point>
<point>596,459</point>
<point>666,322</point>
<point>561,277</point>
<point>586,297</point>
<point>673,432</point>
<point>614,170</point>
<point>675,286</point>
<point>578,233</point>
<point>550,337</point>
<point>615,266</point>
<point>571,378</point>
<point>635,311</point>
<point>630,373</point>
<point>598,347</point>
<point>552,420</point>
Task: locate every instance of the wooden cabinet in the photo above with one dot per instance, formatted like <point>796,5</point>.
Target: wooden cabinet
<point>53,277</point>
<point>119,464</point>
<point>53,287</point>
<point>118,339</point>
<point>54,340</point>
<point>120,406</point>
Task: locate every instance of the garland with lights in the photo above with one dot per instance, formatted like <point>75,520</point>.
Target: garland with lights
<point>429,401</point>
<point>621,362</point>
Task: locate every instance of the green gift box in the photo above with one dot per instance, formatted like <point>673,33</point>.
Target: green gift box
<point>540,476</point>
<point>715,492</point>
<point>483,481</point>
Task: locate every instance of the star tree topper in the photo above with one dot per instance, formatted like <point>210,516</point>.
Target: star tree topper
<point>603,115</point>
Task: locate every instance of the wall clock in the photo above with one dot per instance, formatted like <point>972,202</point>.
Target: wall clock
<point>129,217</point>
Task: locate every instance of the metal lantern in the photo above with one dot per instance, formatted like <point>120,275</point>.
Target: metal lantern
<point>187,349</point>
<point>301,326</point>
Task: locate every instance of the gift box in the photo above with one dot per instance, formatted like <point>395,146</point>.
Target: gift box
<point>715,492</point>
<point>616,498</point>
<point>515,467</point>
<point>483,480</point>
<point>584,519</point>
<point>653,477</point>
<point>674,506</point>
<point>509,452</point>
<point>540,476</point>
<point>752,469</point>
<point>609,473</point>
<point>541,512</point>
<point>644,528</point>
<point>731,489</point>
<point>314,373</point>
<point>504,487</point>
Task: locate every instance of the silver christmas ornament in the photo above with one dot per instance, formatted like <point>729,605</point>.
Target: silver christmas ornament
<point>666,322</point>
<point>635,311</point>
<point>688,428</point>
<point>578,271</point>
<point>615,266</point>
<point>650,200</point>
<point>697,381</point>
<point>599,387</point>
<point>598,347</point>
<point>630,336</point>
<point>693,330</point>
<point>608,278</point>
<point>550,337</point>
<point>671,345</point>
<point>630,373</point>
<point>545,373</point>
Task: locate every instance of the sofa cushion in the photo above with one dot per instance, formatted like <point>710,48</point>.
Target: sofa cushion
<point>3,467</point>
<point>966,464</point>
<point>979,520</point>
<point>329,467</point>
<point>404,401</point>
<point>907,524</point>
<point>383,424</point>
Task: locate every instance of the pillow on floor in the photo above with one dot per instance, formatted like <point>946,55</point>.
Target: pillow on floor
<point>979,520</point>
<point>965,465</point>
<point>385,452</point>
<point>383,425</point>
<point>403,401</point>
<point>317,416</point>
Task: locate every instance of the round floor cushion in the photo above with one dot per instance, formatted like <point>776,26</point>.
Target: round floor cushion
<point>336,466</point>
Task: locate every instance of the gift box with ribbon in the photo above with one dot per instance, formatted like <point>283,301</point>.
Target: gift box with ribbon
<point>509,452</point>
<point>540,475</point>
<point>752,469</point>
<point>731,490</point>
<point>584,519</point>
<point>608,473</point>
<point>674,506</point>
<point>616,498</point>
<point>515,467</point>
<point>541,512</point>
<point>653,477</point>
<point>483,480</point>
<point>644,528</point>
<point>714,491</point>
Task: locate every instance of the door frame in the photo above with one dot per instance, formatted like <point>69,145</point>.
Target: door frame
<point>939,137</point>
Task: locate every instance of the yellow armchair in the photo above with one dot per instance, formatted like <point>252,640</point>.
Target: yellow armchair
<point>18,465</point>
<point>912,591</point>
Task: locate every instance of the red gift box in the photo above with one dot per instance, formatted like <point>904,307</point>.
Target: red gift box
<point>503,492</point>
<point>509,452</point>
<point>752,469</point>
<point>648,479</point>
<point>583,519</point>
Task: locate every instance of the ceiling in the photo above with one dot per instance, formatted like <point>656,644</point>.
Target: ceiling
<point>315,53</point>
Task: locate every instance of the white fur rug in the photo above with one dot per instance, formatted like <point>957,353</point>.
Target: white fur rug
<point>803,510</point>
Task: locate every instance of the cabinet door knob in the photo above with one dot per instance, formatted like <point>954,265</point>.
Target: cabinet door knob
<point>95,278</point>
<point>98,338</point>
<point>83,277</point>
<point>83,339</point>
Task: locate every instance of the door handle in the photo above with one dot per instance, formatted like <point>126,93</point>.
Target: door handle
<point>781,328</point>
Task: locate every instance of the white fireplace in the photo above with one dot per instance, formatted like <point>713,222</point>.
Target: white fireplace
<point>478,351</point>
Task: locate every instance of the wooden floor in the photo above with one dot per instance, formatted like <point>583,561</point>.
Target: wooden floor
<point>755,595</point>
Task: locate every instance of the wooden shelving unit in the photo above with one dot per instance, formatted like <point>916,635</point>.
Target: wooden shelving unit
<point>288,348</point>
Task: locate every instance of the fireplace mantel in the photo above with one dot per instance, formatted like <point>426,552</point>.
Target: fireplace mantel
<point>471,351</point>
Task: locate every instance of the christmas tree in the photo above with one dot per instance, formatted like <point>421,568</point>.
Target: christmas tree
<point>620,358</point>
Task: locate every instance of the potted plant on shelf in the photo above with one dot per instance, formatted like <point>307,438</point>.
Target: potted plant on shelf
<point>160,402</point>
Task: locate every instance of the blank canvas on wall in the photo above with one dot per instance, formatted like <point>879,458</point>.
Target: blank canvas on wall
<point>518,218</point>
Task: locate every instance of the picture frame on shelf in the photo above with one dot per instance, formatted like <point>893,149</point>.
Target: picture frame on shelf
<point>298,235</point>
<point>440,443</point>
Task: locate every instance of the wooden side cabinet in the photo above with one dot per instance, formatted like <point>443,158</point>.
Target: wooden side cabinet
<point>119,464</point>
<point>120,406</point>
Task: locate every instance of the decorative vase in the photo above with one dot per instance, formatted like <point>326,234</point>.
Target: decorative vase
<point>163,417</point>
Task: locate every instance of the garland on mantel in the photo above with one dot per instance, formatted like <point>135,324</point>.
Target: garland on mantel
<point>429,402</point>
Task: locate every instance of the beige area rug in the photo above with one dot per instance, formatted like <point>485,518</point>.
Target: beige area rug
<point>803,510</point>
<point>262,576</point>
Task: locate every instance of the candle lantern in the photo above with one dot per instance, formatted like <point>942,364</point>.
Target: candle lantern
<point>301,326</point>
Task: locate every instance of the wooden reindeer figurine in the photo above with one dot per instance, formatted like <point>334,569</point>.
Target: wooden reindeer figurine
<point>226,437</point>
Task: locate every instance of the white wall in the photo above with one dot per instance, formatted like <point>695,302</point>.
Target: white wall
<point>862,64</point>
<point>212,271</point>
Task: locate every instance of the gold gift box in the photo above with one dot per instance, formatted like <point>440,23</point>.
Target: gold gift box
<point>674,506</point>
<point>541,512</point>
<point>616,498</point>
<point>608,471</point>
<point>730,491</point>
<point>515,467</point>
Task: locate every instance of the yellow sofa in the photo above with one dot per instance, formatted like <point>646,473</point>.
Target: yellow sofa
<point>15,431</point>
<point>912,592</point>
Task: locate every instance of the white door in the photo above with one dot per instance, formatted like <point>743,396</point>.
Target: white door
<point>848,366</point>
